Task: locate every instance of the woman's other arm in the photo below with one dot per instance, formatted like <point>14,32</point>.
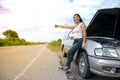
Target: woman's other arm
<point>83,27</point>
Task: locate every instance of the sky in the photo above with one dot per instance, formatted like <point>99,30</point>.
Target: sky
<point>34,20</point>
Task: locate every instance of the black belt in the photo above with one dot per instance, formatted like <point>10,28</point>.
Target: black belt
<point>77,38</point>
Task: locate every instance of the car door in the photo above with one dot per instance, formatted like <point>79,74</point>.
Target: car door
<point>68,41</point>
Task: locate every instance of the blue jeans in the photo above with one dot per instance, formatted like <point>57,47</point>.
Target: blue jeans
<point>76,45</point>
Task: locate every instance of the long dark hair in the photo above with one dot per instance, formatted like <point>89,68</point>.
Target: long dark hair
<point>78,16</point>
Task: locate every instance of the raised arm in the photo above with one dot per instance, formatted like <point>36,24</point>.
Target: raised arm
<point>64,26</point>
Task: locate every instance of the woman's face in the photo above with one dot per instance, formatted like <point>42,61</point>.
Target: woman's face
<point>76,19</point>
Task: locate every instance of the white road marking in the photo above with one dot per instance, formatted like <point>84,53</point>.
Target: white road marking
<point>28,66</point>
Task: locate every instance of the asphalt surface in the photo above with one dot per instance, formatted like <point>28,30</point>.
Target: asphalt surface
<point>29,63</point>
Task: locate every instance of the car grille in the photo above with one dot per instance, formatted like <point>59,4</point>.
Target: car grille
<point>117,70</point>
<point>111,69</point>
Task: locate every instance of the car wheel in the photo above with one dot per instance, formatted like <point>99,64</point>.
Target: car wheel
<point>64,53</point>
<point>83,66</point>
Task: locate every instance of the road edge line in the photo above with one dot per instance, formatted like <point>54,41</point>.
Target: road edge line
<point>29,65</point>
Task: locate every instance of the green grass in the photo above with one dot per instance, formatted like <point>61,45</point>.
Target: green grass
<point>55,45</point>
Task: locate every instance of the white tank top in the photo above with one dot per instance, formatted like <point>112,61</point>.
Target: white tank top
<point>77,32</point>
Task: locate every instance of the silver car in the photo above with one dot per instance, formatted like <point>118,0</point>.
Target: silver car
<point>101,55</point>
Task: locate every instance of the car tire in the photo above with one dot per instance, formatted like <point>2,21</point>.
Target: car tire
<point>64,53</point>
<point>83,66</point>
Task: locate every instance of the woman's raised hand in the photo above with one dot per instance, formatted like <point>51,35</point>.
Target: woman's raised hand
<point>56,25</point>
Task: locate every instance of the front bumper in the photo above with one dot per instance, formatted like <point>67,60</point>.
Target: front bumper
<point>104,67</point>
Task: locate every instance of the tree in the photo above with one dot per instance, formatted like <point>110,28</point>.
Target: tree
<point>59,40</point>
<point>10,34</point>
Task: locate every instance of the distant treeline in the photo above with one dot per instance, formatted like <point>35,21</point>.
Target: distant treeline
<point>13,39</point>
<point>16,41</point>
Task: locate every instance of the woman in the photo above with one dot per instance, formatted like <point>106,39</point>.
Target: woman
<point>79,31</point>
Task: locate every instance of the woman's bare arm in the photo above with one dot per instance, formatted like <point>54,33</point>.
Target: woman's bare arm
<point>64,26</point>
<point>83,27</point>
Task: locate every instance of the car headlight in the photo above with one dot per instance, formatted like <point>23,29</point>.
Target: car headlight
<point>106,52</point>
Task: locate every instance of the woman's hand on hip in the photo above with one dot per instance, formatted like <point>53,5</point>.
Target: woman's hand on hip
<point>83,45</point>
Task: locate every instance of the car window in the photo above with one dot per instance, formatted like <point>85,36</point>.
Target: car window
<point>70,36</point>
<point>65,35</point>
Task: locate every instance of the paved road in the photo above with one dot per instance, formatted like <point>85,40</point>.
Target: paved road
<point>29,63</point>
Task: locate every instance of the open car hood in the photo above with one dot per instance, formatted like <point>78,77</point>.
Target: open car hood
<point>105,23</point>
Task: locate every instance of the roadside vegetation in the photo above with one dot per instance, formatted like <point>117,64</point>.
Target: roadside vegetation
<point>55,45</point>
<point>12,39</point>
